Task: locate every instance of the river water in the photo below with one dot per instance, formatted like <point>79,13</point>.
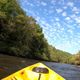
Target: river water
<point>69,72</point>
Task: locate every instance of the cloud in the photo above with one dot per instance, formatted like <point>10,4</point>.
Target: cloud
<point>76,18</point>
<point>64,14</point>
<point>76,10</point>
<point>59,10</point>
<point>65,7</point>
<point>68,18</point>
<point>53,2</point>
<point>73,16</point>
<point>70,31</point>
<point>43,3</point>
<point>57,19</point>
<point>70,4</point>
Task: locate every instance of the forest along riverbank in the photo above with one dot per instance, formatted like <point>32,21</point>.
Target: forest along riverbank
<point>10,64</point>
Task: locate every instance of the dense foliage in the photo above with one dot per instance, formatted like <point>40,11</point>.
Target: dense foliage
<point>20,35</point>
<point>58,55</point>
<point>75,59</point>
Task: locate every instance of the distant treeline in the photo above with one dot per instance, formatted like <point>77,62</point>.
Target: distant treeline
<point>21,35</point>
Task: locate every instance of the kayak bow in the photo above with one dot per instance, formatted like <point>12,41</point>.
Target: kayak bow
<point>37,71</point>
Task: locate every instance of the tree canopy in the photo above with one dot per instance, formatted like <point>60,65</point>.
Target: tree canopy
<point>19,34</point>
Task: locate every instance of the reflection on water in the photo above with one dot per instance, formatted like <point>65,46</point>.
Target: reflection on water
<point>69,72</point>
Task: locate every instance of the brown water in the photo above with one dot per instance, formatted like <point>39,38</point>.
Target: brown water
<point>10,64</point>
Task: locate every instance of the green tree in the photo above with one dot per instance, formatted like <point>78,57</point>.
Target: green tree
<point>77,58</point>
<point>20,34</point>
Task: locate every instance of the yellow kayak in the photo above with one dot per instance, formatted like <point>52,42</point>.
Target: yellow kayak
<point>37,71</point>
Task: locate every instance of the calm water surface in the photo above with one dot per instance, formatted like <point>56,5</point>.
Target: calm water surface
<point>69,72</point>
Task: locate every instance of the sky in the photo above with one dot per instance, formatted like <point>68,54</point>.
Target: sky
<point>59,19</point>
